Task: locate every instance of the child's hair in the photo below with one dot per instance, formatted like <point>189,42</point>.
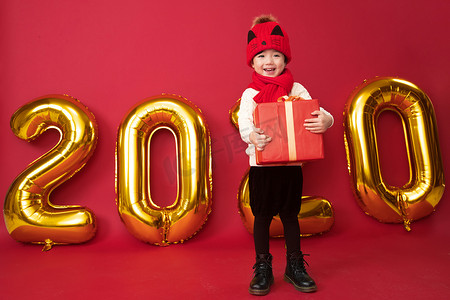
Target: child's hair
<point>266,33</point>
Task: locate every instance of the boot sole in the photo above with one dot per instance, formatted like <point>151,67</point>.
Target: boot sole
<point>300,288</point>
<point>260,292</point>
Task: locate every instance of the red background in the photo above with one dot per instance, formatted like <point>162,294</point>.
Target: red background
<point>112,54</point>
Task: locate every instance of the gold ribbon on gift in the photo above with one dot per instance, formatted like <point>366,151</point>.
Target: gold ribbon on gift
<point>290,129</point>
<point>292,150</point>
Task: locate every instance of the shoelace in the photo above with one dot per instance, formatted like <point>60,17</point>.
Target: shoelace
<point>299,262</point>
<point>262,267</point>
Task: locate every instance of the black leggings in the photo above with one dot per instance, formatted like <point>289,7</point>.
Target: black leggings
<point>276,190</point>
<point>291,233</point>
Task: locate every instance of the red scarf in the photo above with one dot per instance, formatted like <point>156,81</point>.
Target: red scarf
<point>271,88</point>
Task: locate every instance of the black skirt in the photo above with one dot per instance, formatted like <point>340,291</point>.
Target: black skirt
<point>275,190</point>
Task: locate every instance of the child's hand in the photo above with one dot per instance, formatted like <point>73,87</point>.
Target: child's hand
<point>290,98</point>
<point>320,124</point>
<point>259,139</point>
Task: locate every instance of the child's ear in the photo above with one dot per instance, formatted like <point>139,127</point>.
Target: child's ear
<point>251,36</point>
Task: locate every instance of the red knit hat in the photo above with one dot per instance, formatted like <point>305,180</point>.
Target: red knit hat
<point>267,34</point>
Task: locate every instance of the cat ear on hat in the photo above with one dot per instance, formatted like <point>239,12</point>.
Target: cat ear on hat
<point>251,36</point>
<point>277,31</point>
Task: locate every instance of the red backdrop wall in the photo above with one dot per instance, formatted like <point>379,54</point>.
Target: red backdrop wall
<point>112,54</point>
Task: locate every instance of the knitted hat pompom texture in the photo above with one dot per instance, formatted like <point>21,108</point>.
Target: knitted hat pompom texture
<point>265,34</point>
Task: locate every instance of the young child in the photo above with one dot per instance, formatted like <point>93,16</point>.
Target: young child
<point>274,189</point>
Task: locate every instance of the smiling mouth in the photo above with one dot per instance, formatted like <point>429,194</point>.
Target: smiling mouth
<point>269,70</point>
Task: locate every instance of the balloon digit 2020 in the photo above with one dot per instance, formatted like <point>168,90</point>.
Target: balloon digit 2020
<point>143,218</point>
<point>417,198</point>
<point>29,214</point>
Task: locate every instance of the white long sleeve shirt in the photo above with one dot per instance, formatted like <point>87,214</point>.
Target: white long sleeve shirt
<point>245,116</point>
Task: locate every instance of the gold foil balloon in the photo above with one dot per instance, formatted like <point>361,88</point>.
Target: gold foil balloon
<point>417,198</point>
<point>142,217</point>
<point>234,114</point>
<point>29,214</point>
<point>316,214</point>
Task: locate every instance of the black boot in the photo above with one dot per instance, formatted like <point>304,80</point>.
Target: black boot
<point>296,273</point>
<point>263,279</point>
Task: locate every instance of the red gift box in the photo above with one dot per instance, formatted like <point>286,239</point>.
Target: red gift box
<point>291,142</point>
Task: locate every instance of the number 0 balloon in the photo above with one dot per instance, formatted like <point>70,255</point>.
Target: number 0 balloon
<point>142,217</point>
<point>421,194</point>
<point>29,215</point>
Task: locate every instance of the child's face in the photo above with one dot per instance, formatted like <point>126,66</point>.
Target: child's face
<point>270,63</point>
